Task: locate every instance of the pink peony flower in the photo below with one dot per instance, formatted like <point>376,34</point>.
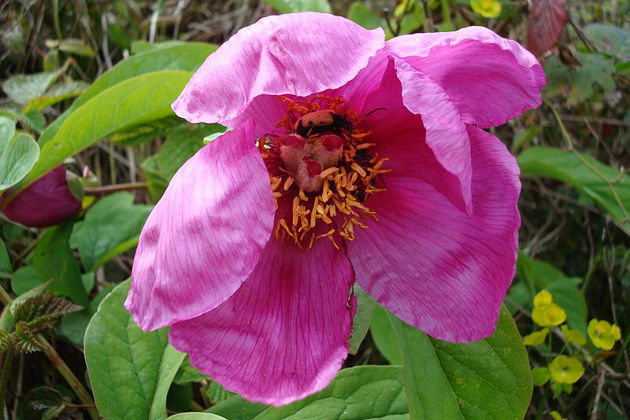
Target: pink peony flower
<point>46,202</point>
<point>351,159</point>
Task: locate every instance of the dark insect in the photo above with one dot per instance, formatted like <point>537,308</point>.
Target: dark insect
<point>324,121</point>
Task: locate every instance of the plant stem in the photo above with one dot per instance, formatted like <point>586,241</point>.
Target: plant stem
<point>7,359</point>
<point>59,364</point>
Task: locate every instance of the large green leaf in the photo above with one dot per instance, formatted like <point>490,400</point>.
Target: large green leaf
<point>182,56</point>
<point>488,379</point>
<point>362,319</point>
<point>53,260</point>
<point>110,227</point>
<point>358,393</point>
<point>17,157</point>
<point>22,88</point>
<point>130,370</point>
<point>237,408</point>
<point>290,6</point>
<point>608,187</point>
<point>609,39</point>
<point>135,101</point>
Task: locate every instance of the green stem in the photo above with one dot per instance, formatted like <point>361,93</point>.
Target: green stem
<point>59,364</point>
<point>7,359</point>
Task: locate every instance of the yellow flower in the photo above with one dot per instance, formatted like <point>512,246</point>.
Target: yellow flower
<point>549,316</point>
<point>556,416</point>
<point>573,336</point>
<point>603,334</point>
<point>566,370</point>
<point>486,8</point>
<point>543,299</point>
<point>535,338</point>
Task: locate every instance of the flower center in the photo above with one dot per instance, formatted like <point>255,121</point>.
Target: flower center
<point>322,169</point>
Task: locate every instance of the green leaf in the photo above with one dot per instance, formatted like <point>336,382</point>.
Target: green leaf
<point>130,370</point>
<point>71,46</point>
<point>237,408</point>
<point>17,157</point>
<point>609,39</point>
<point>135,101</point>
<point>484,379</point>
<point>362,319</point>
<point>23,88</point>
<point>53,260</point>
<point>538,275</point>
<point>7,130</point>
<point>567,167</point>
<point>364,16</point>
<point>188,373</point>
<point>5,262</point>
<point>111,227</point>
<point>196,416</point>
<point>55,94</point>
<point>217,394</point>
<point>182,56</point>
<point>362,392</point>
<point>182,143</point>
<point>290,6</point>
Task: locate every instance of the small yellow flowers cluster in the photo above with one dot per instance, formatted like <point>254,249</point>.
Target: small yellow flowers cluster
<point>486,8</point>
<point>563,371</point>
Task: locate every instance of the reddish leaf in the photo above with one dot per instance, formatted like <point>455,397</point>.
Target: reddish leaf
<point>546,20</point>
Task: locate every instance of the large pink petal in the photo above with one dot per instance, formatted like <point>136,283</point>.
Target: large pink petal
<point>205,235</point>
<point>294,54</point>
<point>489,79</point>
<point>444,131</point>
<point>435,267</point>
<point>283,335</point>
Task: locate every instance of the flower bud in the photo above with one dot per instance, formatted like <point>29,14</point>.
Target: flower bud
<point>46,202</point>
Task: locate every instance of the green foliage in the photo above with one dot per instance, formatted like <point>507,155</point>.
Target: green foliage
<point>130,370</point>
<point>111,227</point>
<point>18,154</point>
<point>135,101</point>
<point>196,416</point>
<point>488,378</point>
<point>364,16</point>
<point>362,319</point>
<point>606,186</point>
<point>362,392</point>
<point>290,6</point>
<point>53,261</point>
<point>609,39</point>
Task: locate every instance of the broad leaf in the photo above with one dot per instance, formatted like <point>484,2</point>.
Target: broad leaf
<point>485,379</point>
<point>111,227</point>
<point>135,101</point>
<point>362,392</point>
<point>362,319</point>
<point>291,6</point>
<point>53,260</point>
<point>130,370</point>
<point>599,182</point>
<point>609,39</point>
<point>237,408</point>
<point>56,94</point>
<point>364,16</point>
<point>182,56</point>
<point>17,157</point>
<point>23,88</point>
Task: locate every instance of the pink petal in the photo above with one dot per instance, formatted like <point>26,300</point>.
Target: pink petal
<point>441,127</point>
<point>435,267</point>
<point>489,79</point>
<point>283,335</point>
<point>205,235</point>
<point>294,54</point>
